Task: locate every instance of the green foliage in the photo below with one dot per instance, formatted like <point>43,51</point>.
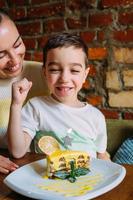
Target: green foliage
<point>71,176</point>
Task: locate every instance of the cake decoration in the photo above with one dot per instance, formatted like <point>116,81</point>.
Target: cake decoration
<point>67,164</point>
<point>48,144</point>
<point>63,164</point>
<point>67,139</point>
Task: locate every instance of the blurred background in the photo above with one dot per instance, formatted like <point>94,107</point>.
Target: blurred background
<point>107,28</point>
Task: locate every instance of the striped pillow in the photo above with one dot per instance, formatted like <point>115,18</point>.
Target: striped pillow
<point>124,155</point>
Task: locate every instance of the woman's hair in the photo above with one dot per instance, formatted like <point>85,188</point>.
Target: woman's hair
<point>3,14</point>
<point>65,40</point>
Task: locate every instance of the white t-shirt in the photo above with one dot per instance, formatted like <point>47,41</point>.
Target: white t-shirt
<point>33,72</point>
<point>84,127</point>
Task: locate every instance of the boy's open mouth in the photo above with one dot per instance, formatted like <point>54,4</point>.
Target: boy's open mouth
<point>65,89</point>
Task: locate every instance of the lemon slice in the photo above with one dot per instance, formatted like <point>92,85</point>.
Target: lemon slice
<point>48,144</point>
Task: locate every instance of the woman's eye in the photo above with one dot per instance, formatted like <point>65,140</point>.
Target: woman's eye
<point>17,44</point>
<point>2,55</point>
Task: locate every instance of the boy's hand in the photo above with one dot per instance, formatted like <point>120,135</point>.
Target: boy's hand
<point>103,156</point>
<point>7,165</point>
<point>20,90</point>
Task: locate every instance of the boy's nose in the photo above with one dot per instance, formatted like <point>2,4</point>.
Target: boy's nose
<point>64,76</point>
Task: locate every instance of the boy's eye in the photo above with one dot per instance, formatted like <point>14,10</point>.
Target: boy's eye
<point>54,70</point>
<point>75,71</point>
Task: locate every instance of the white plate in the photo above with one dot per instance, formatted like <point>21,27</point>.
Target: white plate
<point>28,181</point>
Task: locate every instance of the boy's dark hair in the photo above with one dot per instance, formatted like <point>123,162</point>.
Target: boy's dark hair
<point>65,40</point>
<point>3,13</point>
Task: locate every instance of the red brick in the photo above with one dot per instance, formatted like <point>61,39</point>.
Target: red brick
<point>47,10</point>
<point>123,36</point>
<point>92,71</point>
<point>101,19</point>
<point>115,3</point>
<point>54,25</point>
<point>2,3</point>
<point>100,36</point>
<point>128,116</point>
<point>19,2</point>
<point>86,85</point>
<point>73,23</point>
<point>94,100</point>
<point>32,28</point>
<point>38,1</point>
<point>126,18</point>
<point>97,53</point>
<point>88,36</point>
<point>78,4</point>
<point>110,114</point>
<point>30,43</point>
<point>28,56</point>
<point>17,13</point>
<point>42,41</point>
<point>38,56</point>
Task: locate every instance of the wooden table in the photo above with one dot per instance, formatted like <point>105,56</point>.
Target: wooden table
<point>124,191</point>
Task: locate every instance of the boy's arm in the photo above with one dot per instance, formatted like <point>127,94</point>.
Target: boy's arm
<point>102,139</point>
<point>18,141</point>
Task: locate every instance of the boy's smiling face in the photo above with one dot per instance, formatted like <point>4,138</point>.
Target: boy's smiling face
<point>65,73</point>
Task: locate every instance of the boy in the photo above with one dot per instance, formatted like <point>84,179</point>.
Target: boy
<point>75,125</point>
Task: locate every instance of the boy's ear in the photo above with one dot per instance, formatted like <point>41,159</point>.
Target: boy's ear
<point>87,71</point>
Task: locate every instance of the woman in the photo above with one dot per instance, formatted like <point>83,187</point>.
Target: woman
<point>13,68</point>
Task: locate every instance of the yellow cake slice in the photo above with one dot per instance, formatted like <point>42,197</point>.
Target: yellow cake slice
<point>60,161</point>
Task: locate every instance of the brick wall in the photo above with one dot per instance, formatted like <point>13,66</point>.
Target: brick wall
<point>107,28</point>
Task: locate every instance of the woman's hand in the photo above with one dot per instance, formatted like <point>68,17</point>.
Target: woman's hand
<point>6,165</point>
<point>20,90</point>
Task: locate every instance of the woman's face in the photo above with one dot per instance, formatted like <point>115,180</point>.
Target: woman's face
<point>12,50</point>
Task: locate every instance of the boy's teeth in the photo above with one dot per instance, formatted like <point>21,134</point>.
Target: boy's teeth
<point>64,89</point>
